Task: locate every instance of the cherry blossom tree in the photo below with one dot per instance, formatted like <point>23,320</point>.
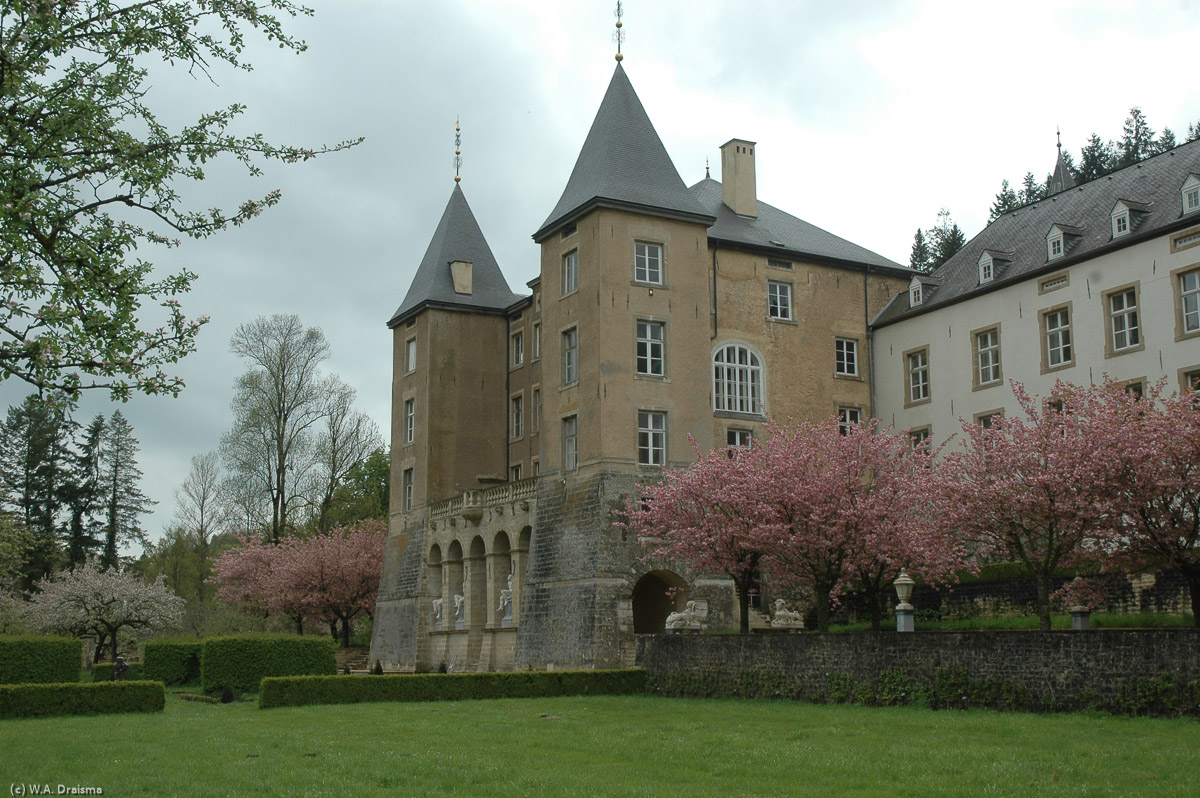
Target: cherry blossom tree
<point>90,602</point>
<point>706,517</point>
<point>1035,487</point>
<point>1155,439</point>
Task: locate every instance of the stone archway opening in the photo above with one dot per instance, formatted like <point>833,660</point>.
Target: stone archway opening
<point>655,596</point>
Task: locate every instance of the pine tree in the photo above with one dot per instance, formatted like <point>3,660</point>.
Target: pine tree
<point>921,259</point>
<point>1096,159</point>
<point>1137,139</point>
<point>1166,140</point>
<point>83,493</point>
<point>121,498</point>
<point>1031,191</point>
<point>947,238</point>
<point>1193,132</point>
<point>1005,201</point>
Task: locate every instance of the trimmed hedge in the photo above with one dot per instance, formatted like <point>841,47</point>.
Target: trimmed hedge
<point>242,662</point>
<point>37,659</point>
<point>172,661</point>
<point>102,672</point>
<point>301,690</point>
<point>39,700</point>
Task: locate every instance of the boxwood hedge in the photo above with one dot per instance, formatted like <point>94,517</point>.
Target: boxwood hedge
<point>102,672</point>
<point>38,659</point>
<point>242,661</point>
<point>172,661</point>
<point>37,700</point>
<point>302,690</point>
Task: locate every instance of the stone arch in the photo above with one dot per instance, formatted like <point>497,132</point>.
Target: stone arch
<point>653,600</point>
<point>433,580</point>
<point>453,570</point>
<point>500,567</point>
<point>476,583</point>
<point>520,557</point>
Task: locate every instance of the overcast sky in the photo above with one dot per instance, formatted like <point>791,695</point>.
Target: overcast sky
<point>869,118</point>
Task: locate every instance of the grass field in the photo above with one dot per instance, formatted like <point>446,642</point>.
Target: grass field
<point>601,746</point>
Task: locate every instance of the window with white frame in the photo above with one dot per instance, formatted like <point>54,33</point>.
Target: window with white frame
<point>988,419</point>
<point>914,295</point>
<point>514,473</point>
<point>518,349</point>
<point>1055,246</point>
<point>647,263</point>
<point>987,357</point>
<point>737,380</point>
<point>1191,201</point>
<point>648,354</point>
<point>1189,301</point>
<point>570,272</point>
<point>1120,224</point>
<point>986,269</point>
<point>570,442</point>
<point>1056,337</point>
<point>537,341</point>
<point>407,483</point>
<point>779,300</point>
<point>518,416</point>
<point>652,438</point>
<point>918,437</point>
<point>845,357</point>
<point>410,420</point>
<point>570,355</point>
<point>917,366</point>
<point>410,355</point>
<point>848,418</point>
<point>739,438</point>
<point>1123,319</point>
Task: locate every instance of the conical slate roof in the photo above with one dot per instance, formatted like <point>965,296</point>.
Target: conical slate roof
<point>623,164</point>
<point>457,238</point>
<point>1062,179</point>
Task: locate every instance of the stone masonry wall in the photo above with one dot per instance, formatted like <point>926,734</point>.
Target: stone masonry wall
<point>1118,670</point>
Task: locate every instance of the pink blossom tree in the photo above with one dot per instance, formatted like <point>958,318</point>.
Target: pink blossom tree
<point>1035,487</point>
<point>706,517</point>
<point>1155,439</point>
<point>840,507</point>
<point>90,602</point>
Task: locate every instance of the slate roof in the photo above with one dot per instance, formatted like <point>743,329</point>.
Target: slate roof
<point>623,163</point>
<point>457,237</point>
<point>1155,181</point>
<point>776,231</point>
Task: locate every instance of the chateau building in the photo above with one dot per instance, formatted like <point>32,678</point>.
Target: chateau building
<point>1097,279</point>
<point>521,423</point>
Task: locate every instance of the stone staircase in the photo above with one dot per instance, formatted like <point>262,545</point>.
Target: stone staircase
<point>357,658</point>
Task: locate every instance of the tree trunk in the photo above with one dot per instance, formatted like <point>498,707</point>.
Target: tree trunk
<point>1193,582</point>
<point>333,629</point>
<point>875,597</point>
<point>114,646</point>
<point>101,640</point>
<point>823,612</point>
<point>299,625</point>
<point>1043,600</point>
<point>743,589</point>
<point>345,633</point>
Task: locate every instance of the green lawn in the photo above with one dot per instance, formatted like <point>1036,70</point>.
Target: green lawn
<point>601,746</point>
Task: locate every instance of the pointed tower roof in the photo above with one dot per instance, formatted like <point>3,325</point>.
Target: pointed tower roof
<point>623,164</point>
<point>1061,180</point>
<point>457,238</point>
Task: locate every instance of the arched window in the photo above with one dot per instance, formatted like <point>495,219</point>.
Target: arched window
<point>737,380</point>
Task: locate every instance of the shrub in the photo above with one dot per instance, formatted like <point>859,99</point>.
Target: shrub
<point>242,662</point>
<point>38,700</point>
<point>302,690</point>
<point>172,661</point>
<point>37,659</point>
<point>102,672</point>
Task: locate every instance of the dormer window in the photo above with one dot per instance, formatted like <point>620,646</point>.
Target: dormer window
<point>992,263</point>
<point>1191,195</point>
<point>1126,215</point>
<point>1060,238</point>
<point>1055,247</point>
<point>1120,224</point>
<point>986,271</point>
<point>915,294</point>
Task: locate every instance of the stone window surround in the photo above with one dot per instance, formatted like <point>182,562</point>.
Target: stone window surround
<point>516,415</point>
<point>1177,276</point>
<point>906,356</point>
<point>651,344</point>
<point>1110,348</point>
<point>1044,335</point>
<point>652,432</point>
<point>779,300</point>
<point>978,384</point>
<point>649,259</point>
<point>570,272</point>
<point>840,359</point>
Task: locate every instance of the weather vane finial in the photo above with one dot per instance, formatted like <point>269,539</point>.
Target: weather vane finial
<point>457,151</point>
<point>1058,135</point>
<point>618,34</point>
<point>706,174</point>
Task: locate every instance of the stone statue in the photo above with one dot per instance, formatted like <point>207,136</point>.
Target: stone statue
<point>688,618</point>
<point>785,618</point>
<point>437,612</point>
<point>460,606</point>
<point>506,599</point>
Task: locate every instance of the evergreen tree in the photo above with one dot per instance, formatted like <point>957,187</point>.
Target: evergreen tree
<point>121,498</point>
<point>1031,191</point>
<point>1137,139</point>
<point>1005,201</point>
<point>1193,132</point>
<point>33,472</point>
<point>1166,140</point>
<point>83,493</point>
<point>947,238</point>
<point>1096,159</point>
<point>921,258</point>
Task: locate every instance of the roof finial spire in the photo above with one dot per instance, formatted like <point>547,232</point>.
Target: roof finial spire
<point>457,151</point>
<point>1058,135</point>
<point>706,174</point>
<point>618,34</point>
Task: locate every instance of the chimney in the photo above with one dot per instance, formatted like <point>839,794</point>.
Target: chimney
<point>738,189</point>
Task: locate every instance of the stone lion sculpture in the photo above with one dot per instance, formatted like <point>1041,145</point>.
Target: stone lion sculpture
<point>785,618</point>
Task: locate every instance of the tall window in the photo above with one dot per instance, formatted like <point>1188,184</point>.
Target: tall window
<point>537,341</point>
<point>652,438</point>
<point>518,349</point>
<point>570,276</point>
<point>649,351</point>
<point>410,355</point>
<point>570,356</point>
<point>647,263</point>
<point>848,417</point>
<point>737,380</point>
<point>918,375</point>
<point>1057,337</point>
<point>1189,300</point>
<point>1123,319</point>
<point>514,473</point>
<point>518,416</point>
<point>987,357</point>
<point>410,420</point>
<point>779,300</point>
<point>570,439</point>
<point>408,490</point>
<point>845,357</point>
<point>537,409</point>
